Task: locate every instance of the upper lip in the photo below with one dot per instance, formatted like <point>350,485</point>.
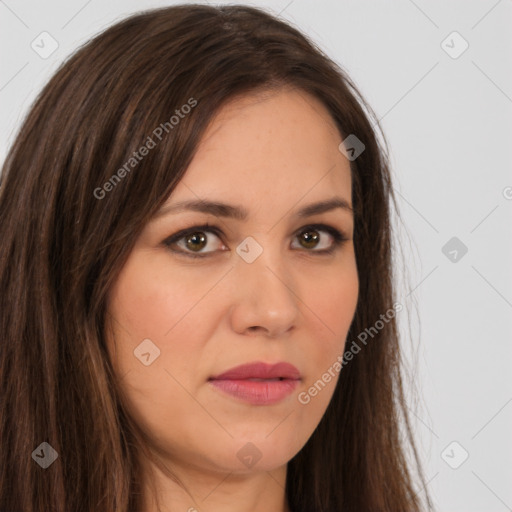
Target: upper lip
<point>260,370</point>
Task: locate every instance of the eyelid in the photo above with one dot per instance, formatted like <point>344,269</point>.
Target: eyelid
<point>176,237</point>
<point>339,236</point>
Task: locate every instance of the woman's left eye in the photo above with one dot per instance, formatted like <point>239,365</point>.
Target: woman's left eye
<point>195,239</point>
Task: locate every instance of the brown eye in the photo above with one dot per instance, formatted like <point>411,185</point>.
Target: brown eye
<point>310,239</point>
<point>192,241</point>
<point>195,241</point>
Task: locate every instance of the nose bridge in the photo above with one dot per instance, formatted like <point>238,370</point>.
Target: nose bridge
<point>262,259</point>
<point>264,286</point>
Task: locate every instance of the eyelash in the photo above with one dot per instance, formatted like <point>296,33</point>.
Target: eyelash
<point>338,238</point>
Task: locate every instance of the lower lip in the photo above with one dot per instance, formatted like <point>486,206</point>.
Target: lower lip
<point>257,392</point>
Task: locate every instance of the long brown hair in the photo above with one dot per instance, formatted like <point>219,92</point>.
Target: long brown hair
<point>68,225</point>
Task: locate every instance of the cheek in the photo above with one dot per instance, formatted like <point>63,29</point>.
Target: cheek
<point>152,301</point>
<point>331,305</point>
<point>143,306</point>
<point>330,309</point>
<point>172,308</point>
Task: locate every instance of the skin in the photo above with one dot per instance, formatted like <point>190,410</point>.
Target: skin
<point>272,153</point>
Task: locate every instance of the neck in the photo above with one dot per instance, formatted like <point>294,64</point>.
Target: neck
<point>185,488</point>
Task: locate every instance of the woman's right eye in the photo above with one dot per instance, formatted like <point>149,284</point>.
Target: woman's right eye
<point>192,241</point>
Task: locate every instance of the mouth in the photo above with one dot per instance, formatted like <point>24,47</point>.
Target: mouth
<point>261,371</point>
<point>258,383</point>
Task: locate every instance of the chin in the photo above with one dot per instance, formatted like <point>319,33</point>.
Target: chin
<point>263,451</point>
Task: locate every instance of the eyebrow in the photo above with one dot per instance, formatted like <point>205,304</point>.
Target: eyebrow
<point>220,209</point>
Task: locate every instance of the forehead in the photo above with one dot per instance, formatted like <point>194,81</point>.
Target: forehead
<point>276,145</point>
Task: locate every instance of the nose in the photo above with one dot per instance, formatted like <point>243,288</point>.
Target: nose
<point>265,300</point>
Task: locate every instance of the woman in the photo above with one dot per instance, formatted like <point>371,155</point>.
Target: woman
<point>218,355</point>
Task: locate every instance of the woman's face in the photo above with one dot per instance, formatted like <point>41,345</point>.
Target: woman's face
<point>260,290</point>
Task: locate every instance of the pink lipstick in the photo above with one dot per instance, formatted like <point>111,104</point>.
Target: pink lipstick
<point>258,383</point>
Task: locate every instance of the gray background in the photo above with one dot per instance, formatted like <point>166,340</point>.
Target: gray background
<point>448,120</point>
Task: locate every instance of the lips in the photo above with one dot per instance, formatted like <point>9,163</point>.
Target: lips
<point>258,383</point>
<point>260,371</point>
